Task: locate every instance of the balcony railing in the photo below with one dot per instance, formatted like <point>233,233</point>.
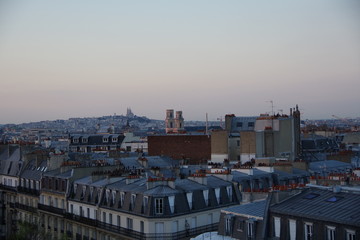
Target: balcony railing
<point>26,208</point>
<point>51,209</point>
<point>30,191</point>
<point>138,235</point>
<point>7,188</point>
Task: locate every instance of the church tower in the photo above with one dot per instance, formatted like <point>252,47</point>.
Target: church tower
<point>169,121</point>
<point>179,122</point>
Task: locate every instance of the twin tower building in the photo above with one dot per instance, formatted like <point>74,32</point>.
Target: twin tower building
<point>174,124</point>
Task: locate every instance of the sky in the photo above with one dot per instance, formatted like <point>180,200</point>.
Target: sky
<point>63,59</point>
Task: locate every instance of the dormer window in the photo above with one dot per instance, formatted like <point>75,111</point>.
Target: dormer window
<point>206,197</point>
<point>159,206</point>
<point>122,198</point>
<point>75,140</point>
<point>75,188</point>
<point>84,140</point>
<point>113,197</point>
<point>189,199</point>
<point>145,203</point>
<point>114,139</point>
<point>105,140</point>
<point>91,191</point>
<point>132,203</point>
<point>217,194</point>
<point>229,192</point>
<point>83,191</point>
<point>107,195</point>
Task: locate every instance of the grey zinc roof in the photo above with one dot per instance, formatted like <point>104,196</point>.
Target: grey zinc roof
<point>161,191</point>
<point>11,163</point>
<point>254,209</point>
<point>342,211</point>
<point>328,165</point>
<point>32,172</point>
<point>188,185</point>
<point>216,182</point>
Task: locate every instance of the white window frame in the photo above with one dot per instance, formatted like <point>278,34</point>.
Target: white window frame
<point>132,201</point>
<point>250,229</point>
<point>350,234</point>
<point>308,231</point>
<point>105,140</point>
<point>330,232</point>
<point>122,198</point>
<point>159,206</point>
<point>292,230</point>
<point>277,226</point>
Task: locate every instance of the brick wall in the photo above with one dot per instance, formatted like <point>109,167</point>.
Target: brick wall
<point>193,147</point>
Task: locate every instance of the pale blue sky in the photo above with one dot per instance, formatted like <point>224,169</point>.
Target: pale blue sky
<point>62,59</point>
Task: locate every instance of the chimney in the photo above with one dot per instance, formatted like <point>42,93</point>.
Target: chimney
<point>199,178</point>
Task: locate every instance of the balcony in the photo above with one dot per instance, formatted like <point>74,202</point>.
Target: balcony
<point>26,208</point>
<point>29,191</point>
<point>51,209</point>
<point>80,219</point>
<point>7,188</point>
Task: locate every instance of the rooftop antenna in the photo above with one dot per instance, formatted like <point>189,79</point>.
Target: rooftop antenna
<point>272,107</point>
<point>221,121</point>
<point>207,129</point>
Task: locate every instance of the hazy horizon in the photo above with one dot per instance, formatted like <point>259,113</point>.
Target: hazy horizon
<point>67,59</point>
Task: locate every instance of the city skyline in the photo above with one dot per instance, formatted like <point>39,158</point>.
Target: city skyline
<point>69,59</point>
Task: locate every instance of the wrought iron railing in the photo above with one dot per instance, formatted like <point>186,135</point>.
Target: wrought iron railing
<point>51,209</point>
<point>139,235</point>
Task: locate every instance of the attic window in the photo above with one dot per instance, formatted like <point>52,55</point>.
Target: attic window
<point>84,140</point>
<point>105,140</point>
<point>334,199</point>
<point>114,139</point>
<point>311,196</point>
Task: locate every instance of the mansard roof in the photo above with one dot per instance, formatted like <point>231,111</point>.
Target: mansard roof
<point>322,205</point>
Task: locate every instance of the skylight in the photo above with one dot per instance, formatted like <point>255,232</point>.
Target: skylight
<point>311,196</point>
<point>334,199</point>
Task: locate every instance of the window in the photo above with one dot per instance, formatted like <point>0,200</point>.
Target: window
<point>239,124</point>
<point>206,197</point>
<point>84,140</point>
<point>277,226</point>
<point>114,139</point>
<point>292,227</point>
<point>129,223</point>
<point>122,198</point>
<point>104,216</point>
<point>141,226</point>
<point>145,203</point>
<point>75,140</point>
<point>88,212</point>
<point>110,218</point>
<point>240,226</point>
<point>250,229</point>
<point>228,222</point>
<point>118,221</point>
<point>229,192</point>
<point>350,234</point>
<point>330,233</point>
<point>81,211</point>
<point>105,140</point>
<point>250,124</point>
<point>132,203</point>
<point>159,206</point>
<point>308,231</point>
<point>238,143</point>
